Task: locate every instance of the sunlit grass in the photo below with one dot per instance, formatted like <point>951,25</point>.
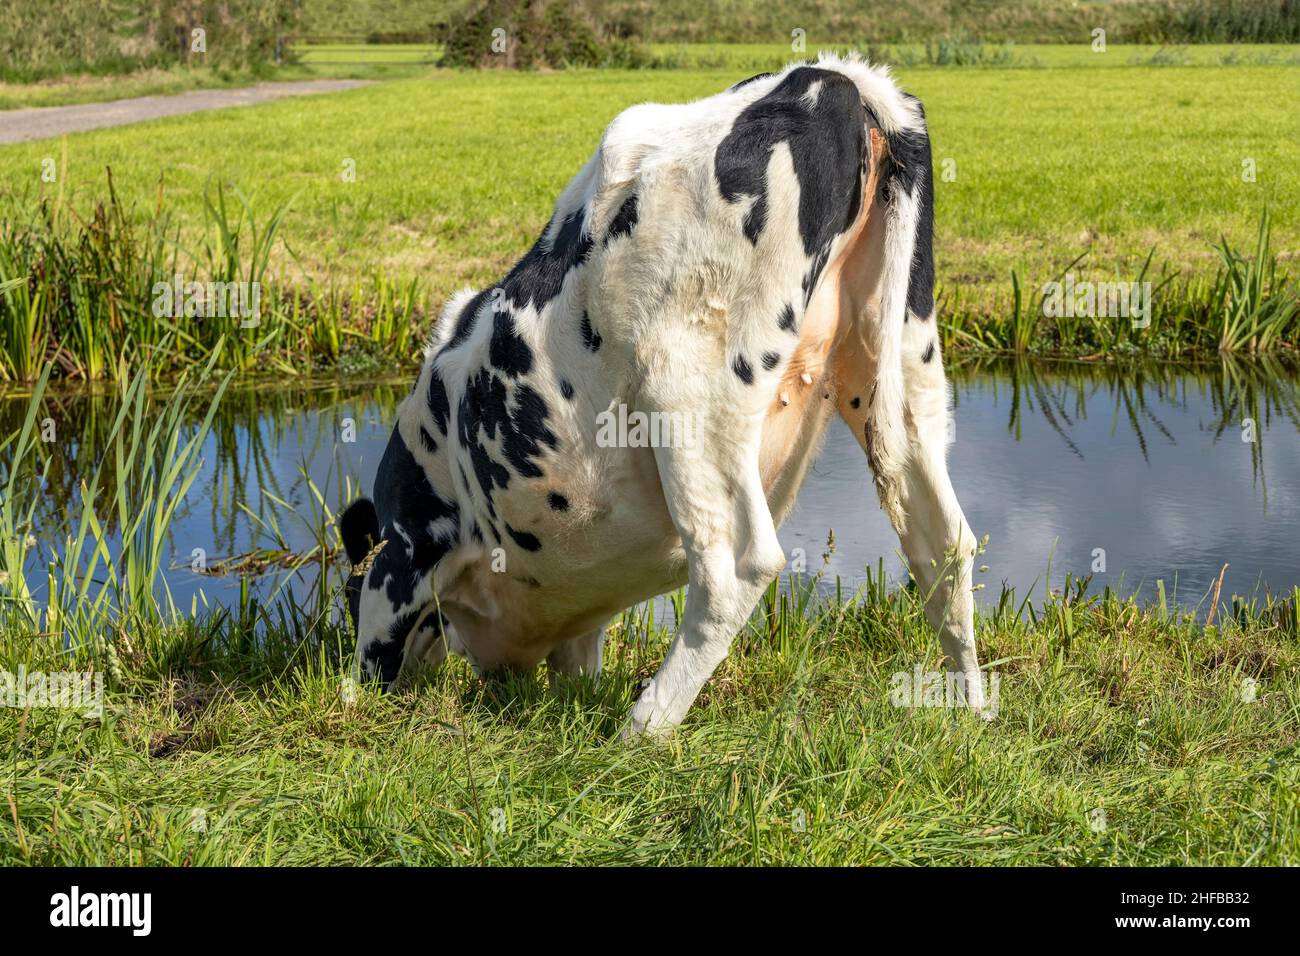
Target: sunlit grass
<point>456,172</point>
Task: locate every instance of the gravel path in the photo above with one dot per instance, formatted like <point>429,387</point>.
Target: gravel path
<point>16,126</point>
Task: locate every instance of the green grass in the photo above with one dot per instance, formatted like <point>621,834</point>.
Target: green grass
<point>332,54</point>
<point>1122,168</point>
<point>402,60</point>
<point>68,91</point>
<point>77,89</point>
<point>456,172</point>
<point>974,53</point>
<point>794,754</point>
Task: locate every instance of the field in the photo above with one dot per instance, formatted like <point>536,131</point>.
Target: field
<point>1125,734</point>
<point>455,172</point>
<point>444,177</point>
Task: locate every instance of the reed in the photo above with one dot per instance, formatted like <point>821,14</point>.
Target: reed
<point>1250,304</point>
<point>120,289</point>
<point>102,295</point>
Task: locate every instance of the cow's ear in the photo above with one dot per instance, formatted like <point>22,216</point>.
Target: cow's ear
<point>359,529</point>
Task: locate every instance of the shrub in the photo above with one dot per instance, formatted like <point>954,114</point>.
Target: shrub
<point>533,34</point>
<point>42,40</point>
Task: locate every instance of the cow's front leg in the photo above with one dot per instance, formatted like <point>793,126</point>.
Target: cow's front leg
<point>716,501</point>
<point>577,657</point>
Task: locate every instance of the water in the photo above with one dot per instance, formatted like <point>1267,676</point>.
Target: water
<point>1130,475</point>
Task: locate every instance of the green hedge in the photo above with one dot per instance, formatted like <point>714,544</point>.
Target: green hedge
<point>47,39</point>
<point>854,21</point>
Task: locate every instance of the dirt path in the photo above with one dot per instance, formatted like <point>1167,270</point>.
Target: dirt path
<point>17,126</point>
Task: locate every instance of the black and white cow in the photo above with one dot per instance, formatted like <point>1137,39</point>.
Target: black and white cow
<point>751,264</point>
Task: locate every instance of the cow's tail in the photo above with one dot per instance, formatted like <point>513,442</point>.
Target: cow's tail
<point>906,203</point>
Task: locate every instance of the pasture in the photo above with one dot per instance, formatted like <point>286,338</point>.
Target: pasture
<point>1139,732</point>
<point>442,178</point>
<point>455,171</point>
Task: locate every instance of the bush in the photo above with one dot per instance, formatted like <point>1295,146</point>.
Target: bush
<point>41,40</point>
<point>533,34</point>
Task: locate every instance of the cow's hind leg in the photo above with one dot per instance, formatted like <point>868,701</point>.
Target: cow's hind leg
<point>715,497</point>
<point>938,542</point>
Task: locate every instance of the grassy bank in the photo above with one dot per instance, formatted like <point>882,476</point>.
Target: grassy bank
<point>1123,734</point>
<point>1123,739</point>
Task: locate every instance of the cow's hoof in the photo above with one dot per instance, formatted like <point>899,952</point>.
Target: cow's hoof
<point>635,732</point>
<point>647,721</point>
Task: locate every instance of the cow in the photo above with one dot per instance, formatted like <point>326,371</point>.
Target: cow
<point>749,264</point>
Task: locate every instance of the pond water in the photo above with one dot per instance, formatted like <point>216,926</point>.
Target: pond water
<point>1132,474</point>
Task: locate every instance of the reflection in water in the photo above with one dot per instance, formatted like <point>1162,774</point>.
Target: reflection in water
<point>1131,474</point>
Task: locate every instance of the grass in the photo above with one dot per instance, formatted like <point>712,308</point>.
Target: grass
<point>405,60</point>
<point>87,296</point>
<point>941,52</point>
<point>456,172</point>
<point>234,736</point>
<point>216,749</point>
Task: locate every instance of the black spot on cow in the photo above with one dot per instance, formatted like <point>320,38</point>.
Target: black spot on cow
<point>770,359</point>
<point>590,337</point>
<point>856,402</point>
<point>465,321</point>
<point>827,143</point>
<point>405,497</point>
<point>743,370</point>
<point>624,220</point>
<point>809,281</point>
<point>427,441</point>
<point>518,420</point>
<point>557,502</point>
<point>483,406</point>
<point>508,351</point>
<point>910,168</point>
<point>386,654</point>
<point>439,406</point>
<point>407,508</point>
<point>786,321</point>
<point>527,432</point>
<point>743,83</point>
<point>929,353</point>
<point>539,276</point>
<point>566,389</point>
<point>525,540</point>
